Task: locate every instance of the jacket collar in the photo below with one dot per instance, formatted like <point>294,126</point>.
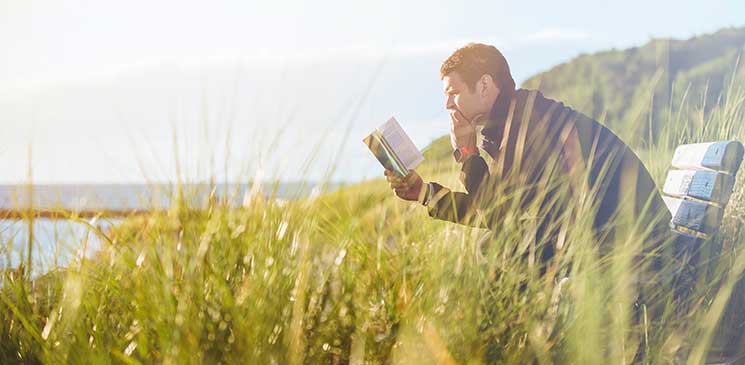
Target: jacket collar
<point>494,126</point>
<point>501,107</point>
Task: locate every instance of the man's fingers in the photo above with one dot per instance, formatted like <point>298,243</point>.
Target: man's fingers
<point>397,182</point>
<point>410,178</point>
<point>457,118</point>
<point>453,122</point>
<point>390,174</point>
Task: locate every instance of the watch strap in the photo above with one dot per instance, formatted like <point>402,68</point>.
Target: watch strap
<point>425,195</point>
<point>460,153</point>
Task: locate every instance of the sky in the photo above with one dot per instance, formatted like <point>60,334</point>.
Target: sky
<point>99,90</point>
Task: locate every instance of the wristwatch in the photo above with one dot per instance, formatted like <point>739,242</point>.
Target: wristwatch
<point>460,153</point>
<point>427,196</point>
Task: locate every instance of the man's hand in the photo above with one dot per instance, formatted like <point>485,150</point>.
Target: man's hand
<point>462,136</point>
<point>406,188</point>
<point>462,133</point>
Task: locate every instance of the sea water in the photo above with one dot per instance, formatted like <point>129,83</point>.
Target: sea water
<point>61,242</point>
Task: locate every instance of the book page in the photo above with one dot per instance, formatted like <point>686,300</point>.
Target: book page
<point>401,144</point>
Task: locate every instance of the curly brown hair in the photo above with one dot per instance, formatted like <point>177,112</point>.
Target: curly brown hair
<point>474,60</point>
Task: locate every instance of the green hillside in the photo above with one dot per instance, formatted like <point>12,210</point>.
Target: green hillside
<point>621,87</point>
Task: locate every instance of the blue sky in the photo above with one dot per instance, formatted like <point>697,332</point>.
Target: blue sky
<point>58,58</point>
<point>46,41</point>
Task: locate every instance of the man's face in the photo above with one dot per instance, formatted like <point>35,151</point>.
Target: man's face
<point>459,96</point>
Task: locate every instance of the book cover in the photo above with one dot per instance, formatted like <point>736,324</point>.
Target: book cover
<point>393,148</point>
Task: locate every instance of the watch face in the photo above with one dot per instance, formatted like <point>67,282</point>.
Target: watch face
<point>457,154</point>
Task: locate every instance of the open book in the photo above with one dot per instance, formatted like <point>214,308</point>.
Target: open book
<point>393,148</point>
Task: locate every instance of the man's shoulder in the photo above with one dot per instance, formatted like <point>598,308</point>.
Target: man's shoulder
<point>563,114</point>
<point>543,109</point>
<point>540,103</point>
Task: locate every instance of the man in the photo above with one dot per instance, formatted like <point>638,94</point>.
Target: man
<point>543,157</point>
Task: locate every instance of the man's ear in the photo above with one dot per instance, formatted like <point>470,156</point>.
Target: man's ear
<point>485,83</point>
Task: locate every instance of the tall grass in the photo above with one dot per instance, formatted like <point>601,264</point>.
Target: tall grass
<point>358,277</point>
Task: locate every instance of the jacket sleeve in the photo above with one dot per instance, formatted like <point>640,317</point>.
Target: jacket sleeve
<point>460,207</point>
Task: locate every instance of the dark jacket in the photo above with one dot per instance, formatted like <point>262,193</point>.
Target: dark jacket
<point>537,156</point>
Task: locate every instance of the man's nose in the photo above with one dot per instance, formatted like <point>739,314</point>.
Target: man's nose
<point>449,103</point>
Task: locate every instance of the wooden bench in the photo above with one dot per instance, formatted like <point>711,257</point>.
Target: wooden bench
<point>696,192</point>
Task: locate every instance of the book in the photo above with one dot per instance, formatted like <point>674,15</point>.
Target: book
<point>393,148</point>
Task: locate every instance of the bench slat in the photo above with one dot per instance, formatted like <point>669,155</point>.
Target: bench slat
<point>720,156</point>
<point>700,217</point>
<point>706,185</point>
